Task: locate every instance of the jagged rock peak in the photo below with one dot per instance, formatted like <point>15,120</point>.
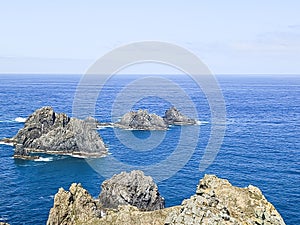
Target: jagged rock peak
<point>174,117</point>
<point>132,188</point>
<point>141,120</point>
<point>218,202</point>
<point>50,132</point>
<point>73,206</point>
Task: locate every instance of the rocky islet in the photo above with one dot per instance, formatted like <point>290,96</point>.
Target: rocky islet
<point>46,131</point>
<point>143,120</point>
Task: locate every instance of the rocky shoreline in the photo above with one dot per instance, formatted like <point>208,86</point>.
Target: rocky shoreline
<point>216,201</point>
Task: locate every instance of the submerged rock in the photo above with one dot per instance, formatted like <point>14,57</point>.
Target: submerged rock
<point>174,117</point>
<point>141,120</point>
<point>132,188</point>
<point>50,132</point>
<point>216,202</point>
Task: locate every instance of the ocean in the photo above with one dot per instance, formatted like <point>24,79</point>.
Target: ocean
<point>261,145</point>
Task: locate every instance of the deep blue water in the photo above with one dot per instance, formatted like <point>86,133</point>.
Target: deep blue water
<point>261,145</point>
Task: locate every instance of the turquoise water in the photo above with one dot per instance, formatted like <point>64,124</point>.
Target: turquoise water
<point>261,144</point>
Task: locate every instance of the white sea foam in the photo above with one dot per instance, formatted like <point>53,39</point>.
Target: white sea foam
<point>78,156</point>
<point>20,119</point>
<point>42,159</point>
<point>4,143</point>
<point>86,157</point>
<point>104,127</point>
<point>198,122</point>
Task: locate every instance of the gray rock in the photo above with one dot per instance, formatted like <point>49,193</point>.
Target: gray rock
<point>132,188</point>
<point>218,202</point>
<point>50,132</point>
<point>175,117</point>
<point>22,153</point>
<point>141,120</point>
<point>73,206</point>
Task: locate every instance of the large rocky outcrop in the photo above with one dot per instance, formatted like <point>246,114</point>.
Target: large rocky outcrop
<point>73,206</point>
<point>50,132</point>
<point>216,202</point>
<point>141,120</point>
<point>174,117</point>
<point>132,188</point>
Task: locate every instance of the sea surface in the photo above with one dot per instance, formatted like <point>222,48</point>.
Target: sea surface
<point>261,145</point>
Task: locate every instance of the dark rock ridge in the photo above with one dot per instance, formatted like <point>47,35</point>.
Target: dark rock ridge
<point>174,117</point>
<point>142,120</point>
<point>216,202</point>
<point>132,188</point>
<point>56,133</point>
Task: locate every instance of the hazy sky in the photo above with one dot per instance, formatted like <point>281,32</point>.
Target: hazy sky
<point>240,37</point>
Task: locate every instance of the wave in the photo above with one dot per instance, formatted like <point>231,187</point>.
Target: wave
<point>198,122</point>
<point>4,143</point>
<point>20,119</point>
<point>85,157</point>
<point>104,127</point>
<point>42,159</point>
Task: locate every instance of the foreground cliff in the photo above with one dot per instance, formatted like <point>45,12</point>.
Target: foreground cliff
<point>46,131</point>
<point>216,202</point>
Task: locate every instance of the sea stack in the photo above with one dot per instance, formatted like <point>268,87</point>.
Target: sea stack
<point>141,120</point>
<point>46,131</point>
<point>174,117</point>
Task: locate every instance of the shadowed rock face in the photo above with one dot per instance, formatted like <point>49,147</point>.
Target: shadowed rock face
<point>216,202</point>
<point>132,188</point>
<point>50,132</point>
<point>175,117</point>
<point>141,120</point>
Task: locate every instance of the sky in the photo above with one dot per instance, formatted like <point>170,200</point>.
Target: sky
<point>230,37</point>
